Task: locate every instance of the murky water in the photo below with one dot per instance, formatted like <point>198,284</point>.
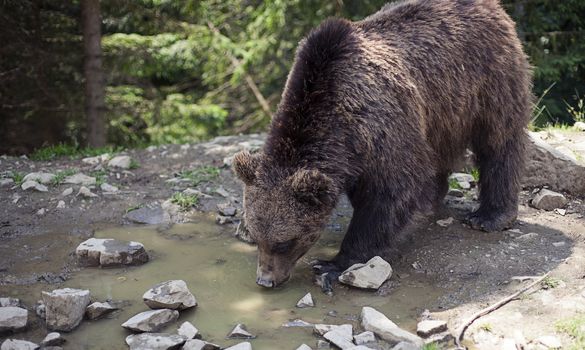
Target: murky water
<point>220,271</point>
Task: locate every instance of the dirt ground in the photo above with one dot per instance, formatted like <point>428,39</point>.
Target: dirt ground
<point>478,268</point>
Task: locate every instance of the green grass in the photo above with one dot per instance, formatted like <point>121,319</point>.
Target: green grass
<point>475,174</point>
<point>17,177</point>
<point>61,175</point>
<point>134,207</point>
<point>134,164</point>
<point>431,346</point>
<point>100,176</point>
<point>486,327</point>
<point>201,174</point>
<point>550,282</point>
<point>453,184</point>
<point>185,201</point>
<point>71,151</point>
<point>575,328</point>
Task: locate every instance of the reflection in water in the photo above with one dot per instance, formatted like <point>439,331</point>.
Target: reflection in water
<point>220,271</point>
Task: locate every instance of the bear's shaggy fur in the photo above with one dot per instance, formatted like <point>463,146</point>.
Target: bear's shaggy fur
<point>381,110</point>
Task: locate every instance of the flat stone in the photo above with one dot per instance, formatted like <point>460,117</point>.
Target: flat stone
<point>108,188</point>
<point>154,341</point>
<point>6,182</point>
<point>172,294</point>
<point>241,346</point>
<point>550,341</point>
<point>339,338</point>
<point>122,162</point>
<point>196,344</point>
<point>369,275</point>
<point>240,332</point>
<point>15,344</point>
<point>429,327</point>
<point>445,222</point>
<point>52,339</point>
<point>34,185</point>
<point>60,205</point>
<point>322,344</point>
<point>86,192</point>
<point>9,302</point>
<point>65,308</point>
<point>13,318</point>
<point>548,200</point>
<point>375,321</point>
<point>455,193</point>
<point>304,347</point>
<point>42,178</point>
<point>97,310</point>
<point>80,179</point>
<point>297,323</point>
<point>306,301</point>
<point>364,338</point>
<point>66,192</point>
<point>187,330</point>
<point>321,329</point>
<point>110,252</point>
<point>96,160</point>
<point>151,321</point>
<point>462,177</point>
<point>226,209</point>
<point>440,338</point>
<point>151,214</point>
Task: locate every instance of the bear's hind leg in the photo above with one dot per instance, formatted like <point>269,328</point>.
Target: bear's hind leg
<point>499,182</point>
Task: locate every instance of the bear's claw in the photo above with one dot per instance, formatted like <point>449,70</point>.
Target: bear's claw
<point>326,273</point>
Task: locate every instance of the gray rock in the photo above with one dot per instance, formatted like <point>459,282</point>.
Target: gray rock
<point>109,188</point>
<point>455,193</point>
<point>86,192</point>
<point>241,346</point>
<point>223,220</point>
<point>97,310</point>
<point>65,308</point>
<point>34,185</point>
<point>66,192</point>
<point>404,345</point>
<point>196,344</point>
<point>6,182</point>
<point>13,318</point>
<point>240,332</point>
<point>151,321</point>
<point>42,178</point>
<point>547,166</point>
<point>306,301</point>
<point>53,339</point>
<point>154,341</point>
<point>80,179</point>
<point>579,126</point>
<point>322,344</point>
<point>440,338</point>
<point>321,329</point>
<point>96,160</point>
<point>445,222</point>
<point>339,338</point>
<point>9,302</point>
<point>374,321</point>
<point>40,309</point>
<point>369,275</point>
<point>60,205</point>
<point>172,294</point>
<point>15,344</point>
<point>151,214</point>
<point>304,347</point>
<point>41,212</point>
<point>110,252</point>
<point>364,338</point>
<point>462,178</point>
<point>548,200</point>
<point>226,209</point>
<point>297,323</point>
<point>222,192</point>
<point>188,331</point>
<point>122,162</point>
<point>427,328</point>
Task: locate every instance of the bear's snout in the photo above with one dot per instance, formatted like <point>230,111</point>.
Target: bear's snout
<point>264,282</point>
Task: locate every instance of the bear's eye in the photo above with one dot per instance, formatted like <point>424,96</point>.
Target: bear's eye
<point>283,247</point>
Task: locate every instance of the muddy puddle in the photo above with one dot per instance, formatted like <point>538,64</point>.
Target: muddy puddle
<point>220,271</point>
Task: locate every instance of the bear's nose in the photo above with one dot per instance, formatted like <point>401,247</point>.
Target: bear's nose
<point>264,282</point>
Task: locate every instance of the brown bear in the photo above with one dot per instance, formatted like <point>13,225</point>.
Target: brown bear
<point>381,110</point>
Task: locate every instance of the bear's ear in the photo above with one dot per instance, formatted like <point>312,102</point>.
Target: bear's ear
<point>245,165</point>
<point>313,186</point>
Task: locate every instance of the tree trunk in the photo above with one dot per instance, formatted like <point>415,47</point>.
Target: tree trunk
<point>94,77</point>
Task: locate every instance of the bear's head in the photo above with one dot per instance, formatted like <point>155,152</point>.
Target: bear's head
<point>285,210</point>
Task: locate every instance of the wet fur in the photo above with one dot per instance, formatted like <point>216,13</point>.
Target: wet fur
<point>385,108</point>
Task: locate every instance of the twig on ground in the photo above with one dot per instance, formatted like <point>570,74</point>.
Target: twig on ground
<point>493,307</point>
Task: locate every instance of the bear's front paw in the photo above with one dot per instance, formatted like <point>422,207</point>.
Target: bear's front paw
<point>491,222</point>
<point>327,273</point>
<point>325,266</point>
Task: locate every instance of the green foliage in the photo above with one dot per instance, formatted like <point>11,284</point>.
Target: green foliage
<point>200,175</point>
<point>575,328</point>
<point>454,184</point>
<point>134,207</point>
<point>185,201</point>
<point>550,282</point>
<point>71,151</point>
<point>431,346</point>
<point>486,327</point>
<point>17,177</point>
<point>475,174</point>
<point>61,175</point>
<point>577,112</point>
<point>100,176</point>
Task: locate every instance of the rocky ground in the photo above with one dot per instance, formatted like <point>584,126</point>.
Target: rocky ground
<point>168,184</point>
